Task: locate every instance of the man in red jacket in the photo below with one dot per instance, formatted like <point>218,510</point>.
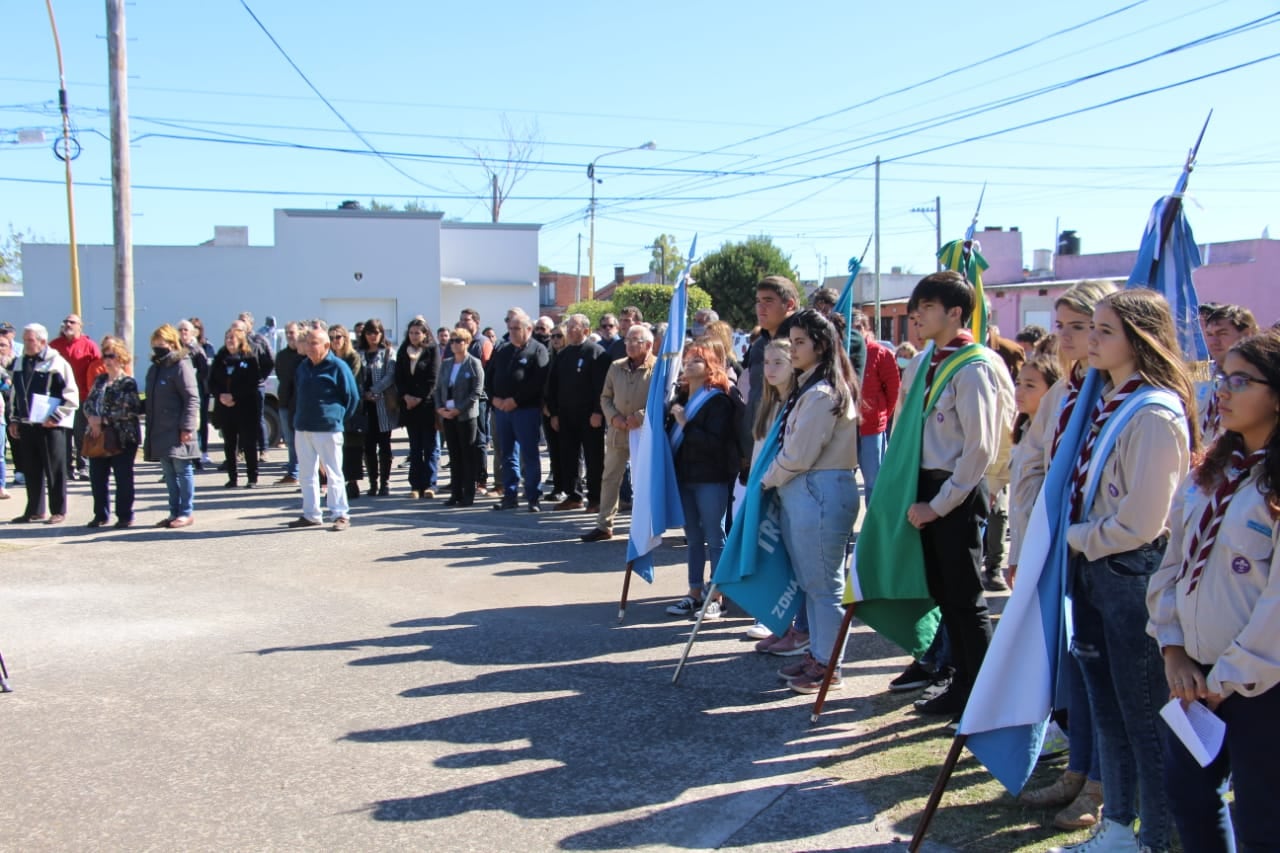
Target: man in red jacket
<point>880,385</point>
<point>78,350</point>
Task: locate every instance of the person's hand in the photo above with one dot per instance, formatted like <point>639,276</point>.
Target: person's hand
<point>411,402</point>
<point>677,412</point>
<point>184,435</point>
<point>555,422</point>
<point>1013,573</point>
<point>1186,681</point>
<point>370,396</point>
<point>634,422</point>
<point>597,421</point>
<point>1213,700</point>
<point>13,430</point>
<point>226,399</point>
<point>921,514</point>
<point>94,429</point>
<point>618,422</point>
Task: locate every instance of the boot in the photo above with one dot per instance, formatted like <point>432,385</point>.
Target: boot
<point>1084,810</point>
<point>1061,791</point>
<point>384,490</point>
<point>353,489</point>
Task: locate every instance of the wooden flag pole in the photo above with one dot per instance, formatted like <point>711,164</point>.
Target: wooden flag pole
<point>836,654</point>
<point>709,597</point>
<point>626,587</point>
<point>935,796</point>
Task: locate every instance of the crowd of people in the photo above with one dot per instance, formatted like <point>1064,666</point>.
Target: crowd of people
<point>1172,504</point>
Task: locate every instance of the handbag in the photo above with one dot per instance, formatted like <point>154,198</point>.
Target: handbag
<point>97,445</point>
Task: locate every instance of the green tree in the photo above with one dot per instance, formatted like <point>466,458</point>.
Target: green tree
<point>667,261</point>
<point>654,300</point>
<point>11,256</point>
<point>731,272</point>
<point>593,308</point>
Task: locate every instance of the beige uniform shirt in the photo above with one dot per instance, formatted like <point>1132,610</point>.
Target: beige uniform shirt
<point>962,431</point>
<point>1030,463</point>
<point>998,474</point>
<point>813,438</point>
<point>1232,619</point>
<point>626,392</point>
<point>1136,485</point>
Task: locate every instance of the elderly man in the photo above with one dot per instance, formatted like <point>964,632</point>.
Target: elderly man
<point>573,401</point>
<point>542,330</point>
<point>45,400</point>
<point>622,400</point>
<point>608,330</point>
<point>514,381</point>
<point>325,396</point>
<point>79,351</point>
<point>703,318</point>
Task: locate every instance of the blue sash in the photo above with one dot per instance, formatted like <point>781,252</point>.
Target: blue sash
<point>696,402</point>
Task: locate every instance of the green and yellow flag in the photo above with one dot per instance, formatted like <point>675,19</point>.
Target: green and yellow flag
<point>962,256</point>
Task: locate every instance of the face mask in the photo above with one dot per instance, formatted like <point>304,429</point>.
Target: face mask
<point>903,362</point>
<point>160,352</point>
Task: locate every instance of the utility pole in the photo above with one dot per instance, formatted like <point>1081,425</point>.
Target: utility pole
<point>494,206</point>
<point>877,268</point>
<point>577,288</point>
<point>936,210</point>
<point>66,156</point>
<point>121,203</point>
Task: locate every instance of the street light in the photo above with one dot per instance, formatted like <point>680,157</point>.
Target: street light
<point>591,244</point>
<point>936,210</point>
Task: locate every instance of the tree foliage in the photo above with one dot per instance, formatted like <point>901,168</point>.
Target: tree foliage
<point>593,308</point>
<point>667,261</point>
<point>505,169</point>
<point>654,300</point>
<point>11,256</point>
<point>730,274</point>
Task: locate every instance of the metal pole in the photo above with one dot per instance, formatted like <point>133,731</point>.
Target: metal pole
<point>877,269</point>
<point>494,205</point>
<point>591,244</point>
<point>66,159</point>
<point>937,226</point>
<point>577,287</point>
<point>121,200</point>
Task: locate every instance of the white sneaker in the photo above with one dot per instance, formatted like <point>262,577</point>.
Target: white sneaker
<point>714,611</point>
<point>1109,837</point>
<point>758,632</point>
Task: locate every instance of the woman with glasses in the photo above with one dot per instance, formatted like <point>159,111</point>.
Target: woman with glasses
<point>112,408</point>
<point>353,432</point>
<point>417,366</point>
<point>457,401</point>
<point>381,408</point>
<point>1215,610</point>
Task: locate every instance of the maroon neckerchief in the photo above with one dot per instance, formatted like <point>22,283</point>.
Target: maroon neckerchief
<point>940,355</point>
<point>1101,413</point>
<point>1211,519</point>
<point>1074,383</point>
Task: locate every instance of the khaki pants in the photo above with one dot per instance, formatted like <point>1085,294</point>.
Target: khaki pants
<point>615,465</point>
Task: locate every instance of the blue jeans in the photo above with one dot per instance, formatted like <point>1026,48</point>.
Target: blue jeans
<point>1252,760</point>
<point>4,437</point>
<point>871,449</point>
<point>818,512</point>
<point>518,437</point>
<point>1082,756</point>
<point>180,481</point>
<point>286,432</point>
<point>705,505</point>
<point>424,457</point>
<point>1124,676</point>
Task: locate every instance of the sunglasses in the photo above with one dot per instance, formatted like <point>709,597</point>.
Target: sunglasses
<point>109,355</point>
<point>557,336</point>
<point>457,340</point>
<point>337,337</point>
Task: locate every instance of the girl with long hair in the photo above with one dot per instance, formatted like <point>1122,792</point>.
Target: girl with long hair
<point>703,436</point>
<point>817,492</point>
<point>1215,609</point>
<point>417,367</point>
<point>380,407</point>
<point>1141,438</point>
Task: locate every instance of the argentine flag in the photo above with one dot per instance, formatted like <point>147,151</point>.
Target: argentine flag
<point>656,504</point>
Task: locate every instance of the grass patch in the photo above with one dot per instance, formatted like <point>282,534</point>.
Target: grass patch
<point>896,762</point>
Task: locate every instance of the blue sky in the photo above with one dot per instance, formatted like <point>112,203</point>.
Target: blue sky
<point>749,106</point>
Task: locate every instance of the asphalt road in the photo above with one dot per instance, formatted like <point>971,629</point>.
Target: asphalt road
<point>431,679</point>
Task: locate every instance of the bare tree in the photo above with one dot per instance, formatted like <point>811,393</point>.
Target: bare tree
<point>504,172</point>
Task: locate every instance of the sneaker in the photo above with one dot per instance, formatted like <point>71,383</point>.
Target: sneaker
<point>1084,811</point>
<point>948,703</point>
<point>1057,793</point>
<point>941,682</point>
<point>341,523</point>
<point>287,480</point>
<point>993,581</point>
<point>790,643</point>
<point>505,504</point>
<point>714,610</point>
<point>683,607</point>
<point>758,632</point>
<point>302,522</point>
<point>789,671</point>
<point>913,678</point>
<point>1055,743</point>
<point>810,681</point>
<point>1109,836</point>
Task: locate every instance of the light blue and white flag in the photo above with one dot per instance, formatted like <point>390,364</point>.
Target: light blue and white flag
<point>655,507</point>
<point>1018,685</point>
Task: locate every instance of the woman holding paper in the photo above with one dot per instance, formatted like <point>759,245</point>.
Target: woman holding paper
<point>1215,610</point>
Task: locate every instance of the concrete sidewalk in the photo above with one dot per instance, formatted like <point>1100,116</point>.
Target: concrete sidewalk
<point>432,678</point>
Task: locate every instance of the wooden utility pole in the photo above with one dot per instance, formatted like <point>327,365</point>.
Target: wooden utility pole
<point>877,233</point>
<point>121,203</point>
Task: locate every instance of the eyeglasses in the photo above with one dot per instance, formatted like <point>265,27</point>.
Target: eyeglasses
<point>557,336</point>
<point>1236,382</point>
<point>109,355</point>
<point>608,325</point>
<point>337,337</point>
<point>71,322</point>
<point>368,332</point>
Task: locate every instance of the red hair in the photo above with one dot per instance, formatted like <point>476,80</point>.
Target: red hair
<point>716,375</point>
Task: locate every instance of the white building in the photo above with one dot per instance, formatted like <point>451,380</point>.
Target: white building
<point>344,266</point>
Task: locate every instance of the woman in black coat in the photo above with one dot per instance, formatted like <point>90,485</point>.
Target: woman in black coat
<point>458,392</point>
<point>233,379</point>
<point>417,364</point>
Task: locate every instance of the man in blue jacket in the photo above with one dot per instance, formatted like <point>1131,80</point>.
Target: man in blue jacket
<point>325,397</point>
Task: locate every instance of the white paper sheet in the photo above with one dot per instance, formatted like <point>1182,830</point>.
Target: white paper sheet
<point>43,407</point>
<point>1200,730</point>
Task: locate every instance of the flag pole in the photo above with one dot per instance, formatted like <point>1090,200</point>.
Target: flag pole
<point>841,635</point>
<point>935,796</point>
<point>706,599</point>
<point>1170,215</point>
<point>626,587</point>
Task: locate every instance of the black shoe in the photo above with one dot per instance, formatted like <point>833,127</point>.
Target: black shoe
<point>948,703</point>
<point>252,484</point>
<point>453,502</point>
<point>596,535</point>
<point>230,484</point>
<point>97,522</point>
<point>534,508</point>
<point>123,523</point>
<point>505,504</point>
<point>916,676</point>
